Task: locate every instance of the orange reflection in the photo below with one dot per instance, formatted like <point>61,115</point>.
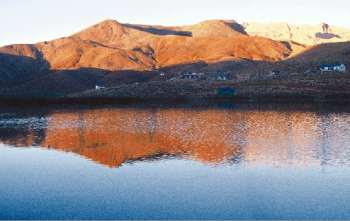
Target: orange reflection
<point>113,137</point>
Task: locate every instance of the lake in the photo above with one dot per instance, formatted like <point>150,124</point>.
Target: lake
<point>174,163</point>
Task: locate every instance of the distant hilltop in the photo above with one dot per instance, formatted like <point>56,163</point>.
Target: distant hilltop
<point>303,34</point>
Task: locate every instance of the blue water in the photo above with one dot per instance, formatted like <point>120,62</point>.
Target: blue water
<point>219,164</point>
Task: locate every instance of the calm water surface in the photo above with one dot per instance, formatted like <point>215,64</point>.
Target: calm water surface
<point>173,163</point>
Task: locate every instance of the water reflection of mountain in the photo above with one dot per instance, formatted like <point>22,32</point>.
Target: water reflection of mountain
<point>116,136</point>
<point>113,137</point>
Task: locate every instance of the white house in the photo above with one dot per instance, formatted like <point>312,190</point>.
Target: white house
<point>99,87</point>
<point>333,67</point>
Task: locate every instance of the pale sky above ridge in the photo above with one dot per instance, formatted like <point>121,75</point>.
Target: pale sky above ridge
<point>30,21</point>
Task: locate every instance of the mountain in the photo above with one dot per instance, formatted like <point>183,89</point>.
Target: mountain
<point>113,46</point>
<point>112,54</point>
<point>110,47</point>
<point>302,34</point>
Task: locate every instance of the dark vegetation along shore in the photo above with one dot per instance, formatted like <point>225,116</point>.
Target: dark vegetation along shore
<point>212,61</point>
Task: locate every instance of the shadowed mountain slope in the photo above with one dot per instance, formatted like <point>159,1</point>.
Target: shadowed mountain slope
<point>330,52</point>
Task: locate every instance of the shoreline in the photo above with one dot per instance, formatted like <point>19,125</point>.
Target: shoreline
<point>339,100</point>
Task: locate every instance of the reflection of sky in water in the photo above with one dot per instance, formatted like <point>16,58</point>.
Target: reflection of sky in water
<point>280,165</point>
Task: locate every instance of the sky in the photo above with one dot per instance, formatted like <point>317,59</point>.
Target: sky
<point>30,21</point>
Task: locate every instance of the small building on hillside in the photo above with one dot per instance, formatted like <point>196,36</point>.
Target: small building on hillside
<point>191,76</point>
<point>337,67</point>
<point>97,87</point>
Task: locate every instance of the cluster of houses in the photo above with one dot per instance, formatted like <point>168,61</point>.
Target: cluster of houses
<point>201,76</point>
<point>224,76</point>
<point>191,76</point>
<point>335,67</point>
<point>332,67</point>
